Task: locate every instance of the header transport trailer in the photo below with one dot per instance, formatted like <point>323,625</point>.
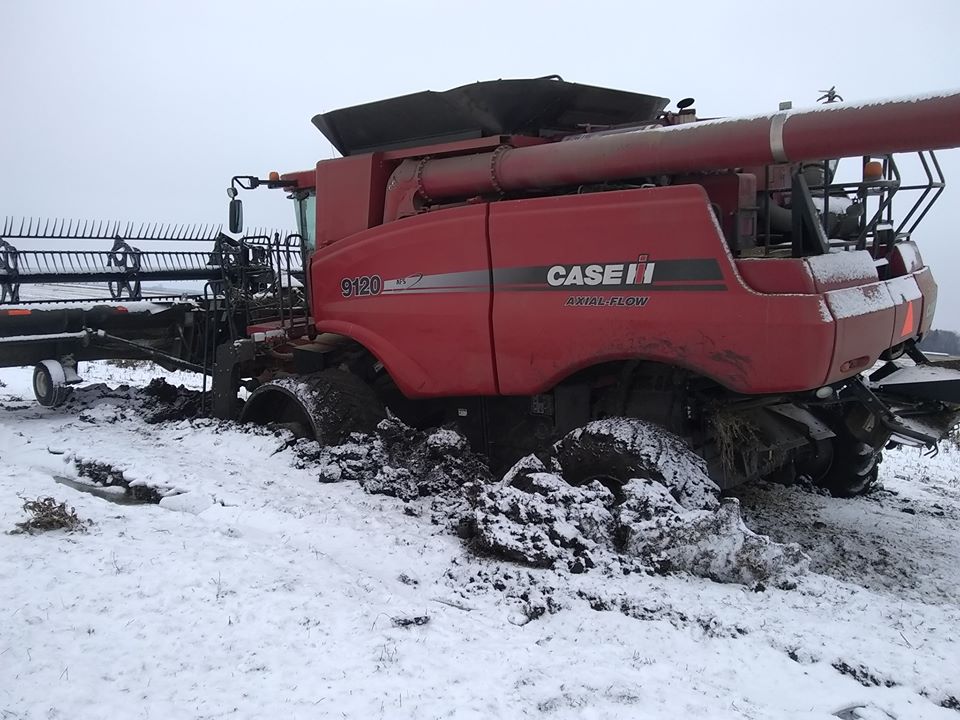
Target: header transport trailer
<point>519,257</point>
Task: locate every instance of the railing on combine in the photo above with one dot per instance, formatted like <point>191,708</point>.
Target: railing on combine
<point>262,283</point>
<point>277,274</point>
<point>856,215</point>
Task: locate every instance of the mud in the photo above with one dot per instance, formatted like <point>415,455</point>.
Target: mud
<point>669,521</point>
<point>158,402</point>
<point>536,517</point>
<point>405,463</point>
<point>103,492</point>
<point>104,475</point>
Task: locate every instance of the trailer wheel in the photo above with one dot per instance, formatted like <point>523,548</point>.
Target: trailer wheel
<point>49,383</point>
<point>326,406</point>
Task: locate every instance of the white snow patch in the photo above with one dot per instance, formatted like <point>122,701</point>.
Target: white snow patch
<point>189,502</point>
<point>910,254</point>
<point>843,267</point>
<point>282,605</point>
<point>860,300</point>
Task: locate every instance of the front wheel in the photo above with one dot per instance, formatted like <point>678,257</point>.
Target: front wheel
<point>326,406</point>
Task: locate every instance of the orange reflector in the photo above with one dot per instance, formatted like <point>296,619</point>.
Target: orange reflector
<point>17,312</point>
<point>872,170</point>
<point>907,328</point>
<point>274,176</point>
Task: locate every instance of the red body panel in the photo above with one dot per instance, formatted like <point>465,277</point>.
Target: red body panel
<point>865,318</point>
<point>731,335</point>
<point>349,195</point>
<point>556,300</point>
<point>777,275</point>
<point>434,342</point>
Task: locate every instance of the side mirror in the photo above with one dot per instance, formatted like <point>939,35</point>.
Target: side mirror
<point>236,215</point>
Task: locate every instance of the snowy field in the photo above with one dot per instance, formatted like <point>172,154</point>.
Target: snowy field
<point>253,590</point>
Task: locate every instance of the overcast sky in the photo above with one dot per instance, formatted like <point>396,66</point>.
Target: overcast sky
<point>144,110</point>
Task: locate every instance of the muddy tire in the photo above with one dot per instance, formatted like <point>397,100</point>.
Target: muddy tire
<point>854,469</point>
<point>616,450</point>
<point>326,406</point>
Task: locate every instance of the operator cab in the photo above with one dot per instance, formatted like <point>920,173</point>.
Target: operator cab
<point>305,205</point>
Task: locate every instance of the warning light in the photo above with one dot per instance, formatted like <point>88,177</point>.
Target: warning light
<point>274,176</point>
<point>872,170</point>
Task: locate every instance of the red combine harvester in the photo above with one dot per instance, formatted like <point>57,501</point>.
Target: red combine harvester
<point>520,257</point>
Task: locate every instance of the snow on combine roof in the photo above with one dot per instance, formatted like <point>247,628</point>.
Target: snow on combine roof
<point>540,107</point>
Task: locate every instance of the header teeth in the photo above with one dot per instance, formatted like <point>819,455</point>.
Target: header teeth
<point>63,229</point>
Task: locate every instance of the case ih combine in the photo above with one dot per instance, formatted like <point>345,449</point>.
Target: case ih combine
<point>519,257</point>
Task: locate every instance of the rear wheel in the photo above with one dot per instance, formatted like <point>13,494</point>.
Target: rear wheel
<point>854,469</point>
<point>326,406</point>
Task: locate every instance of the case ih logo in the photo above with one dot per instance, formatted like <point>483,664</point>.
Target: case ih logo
<point>610,274</point>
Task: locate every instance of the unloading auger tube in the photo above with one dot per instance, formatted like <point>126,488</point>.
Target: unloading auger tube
<point>882,127</point>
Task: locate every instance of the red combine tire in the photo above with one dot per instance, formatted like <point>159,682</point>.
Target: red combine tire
<point>326,406</point>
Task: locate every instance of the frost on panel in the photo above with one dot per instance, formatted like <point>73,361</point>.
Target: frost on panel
<point>859,301</point>
<point>841,267</point>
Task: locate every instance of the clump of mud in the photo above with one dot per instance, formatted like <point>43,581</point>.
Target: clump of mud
<point>157,402</point>
<point>528,595</point>
<point>536,517</point>
<point>165,402</point>
<point>715,544</point>
<point>603,599</point>
<point>568,512</point>
<point>399,461</point>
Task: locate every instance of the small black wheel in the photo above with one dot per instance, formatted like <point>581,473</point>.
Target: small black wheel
<point>49,383</point>
<point>854,469</point>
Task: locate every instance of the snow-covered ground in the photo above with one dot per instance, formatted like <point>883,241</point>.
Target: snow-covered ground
<point>253,591</point>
